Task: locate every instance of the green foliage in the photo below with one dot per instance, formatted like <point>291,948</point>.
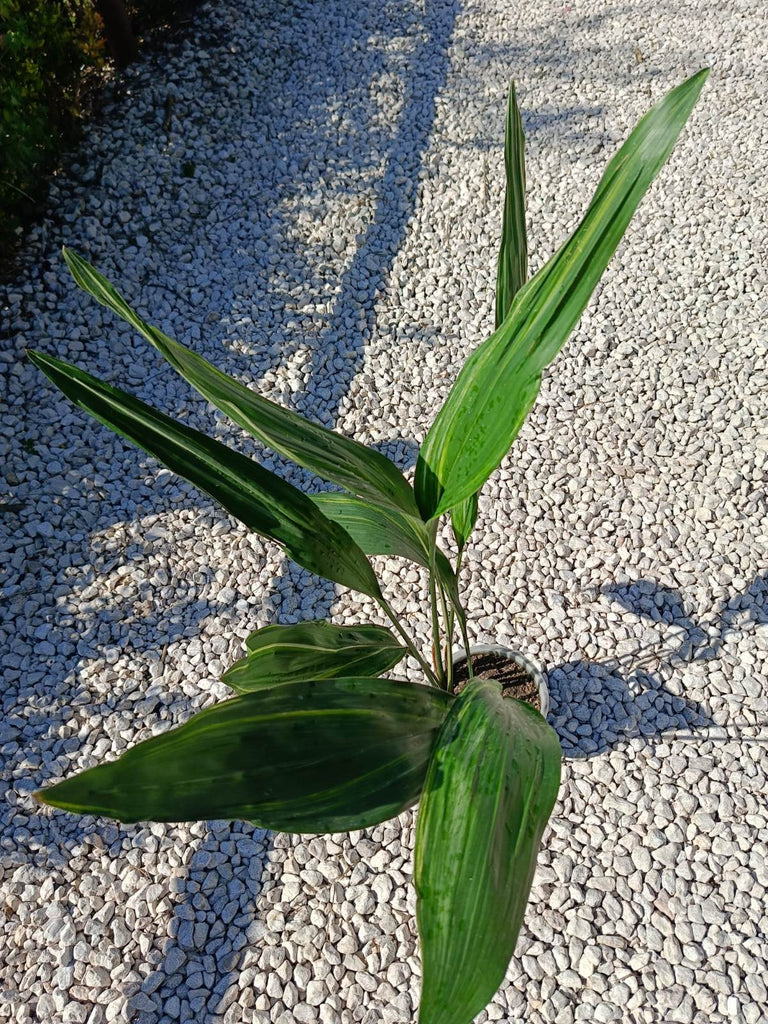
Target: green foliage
<point>299,756</point>
<point>47,48</point>
<point>261,500</point>
<point>307,749</point>
<point>312,650</point>
<point>53,53</point>
<point>498,384</point>
<point>492,783</point>
<point>340,459</point>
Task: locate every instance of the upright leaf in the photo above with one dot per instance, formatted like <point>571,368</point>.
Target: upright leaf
<point>491,786</point>
<point>332,456</point>
<point>300,757</point>
<point>261,500</point>
<point>500,381</point>
<point>463,519</point>
<point>312,650</point>
<point>512,269</point>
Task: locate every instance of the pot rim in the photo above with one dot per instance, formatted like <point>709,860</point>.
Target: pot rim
<point>460,655</point>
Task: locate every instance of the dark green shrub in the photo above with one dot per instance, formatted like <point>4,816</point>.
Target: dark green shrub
<point>51,52</point>
<point>47,50</point>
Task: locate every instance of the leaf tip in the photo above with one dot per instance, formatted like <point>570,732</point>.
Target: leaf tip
<point>227,675</point>
<point>46,798</point>
<point>695,82</point>
<point>75,265</point>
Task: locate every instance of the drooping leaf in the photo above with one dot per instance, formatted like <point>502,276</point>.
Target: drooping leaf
<point>500,381</point>
<point>301,757</point>
<point>312,650</point>
<point>378,531</point>
<point>492,783</point>
<point>332,456</point>
<point>512,269</point>
<point>382,531</point>
<point>261,500</point>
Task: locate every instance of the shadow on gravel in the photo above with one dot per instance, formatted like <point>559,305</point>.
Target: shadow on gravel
<point>336,350</point>
<point>662,604</point>
<point>598,705</point>
<point>256,274</point>
<point>374,157</point>
<point>213,932</point>
<point>572,43</point>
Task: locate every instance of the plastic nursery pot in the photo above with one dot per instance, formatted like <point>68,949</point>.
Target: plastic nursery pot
<point>520,677</point>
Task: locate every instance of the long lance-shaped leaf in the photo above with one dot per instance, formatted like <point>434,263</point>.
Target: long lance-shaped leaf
<point>491,786</point>
<point>312,650</point>
<point>512,269</point>
<point>382,531</point>
<point>259,499</point>
<point>332,456</point>
<point>302,757</point>
<point>500,381</point>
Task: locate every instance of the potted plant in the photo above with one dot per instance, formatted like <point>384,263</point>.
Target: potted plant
<point>317,739</point>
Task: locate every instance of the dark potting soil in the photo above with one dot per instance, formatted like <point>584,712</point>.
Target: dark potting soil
<point>515,681</point>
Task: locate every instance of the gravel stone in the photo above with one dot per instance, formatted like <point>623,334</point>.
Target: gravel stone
<point>319,216</point>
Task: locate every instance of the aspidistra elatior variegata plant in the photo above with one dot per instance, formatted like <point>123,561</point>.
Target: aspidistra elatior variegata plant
<point>317,739</point>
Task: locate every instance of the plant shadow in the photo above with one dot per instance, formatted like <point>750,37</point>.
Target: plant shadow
<point>596,707</point>
<point>599,705</point>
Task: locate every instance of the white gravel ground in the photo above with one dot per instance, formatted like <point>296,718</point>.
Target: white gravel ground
<point>321,218</point>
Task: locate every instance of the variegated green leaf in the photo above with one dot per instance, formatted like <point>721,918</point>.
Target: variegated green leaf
<point>332,456</point>
<point>500,381</point>
<point>378,531</point>
<point>512,269</point>
<point>261,500</point>
<point>312,650</point>
<point>463,519</point>
<point>382,531</point>
<point>491,786</point>
<point>301,757</point>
